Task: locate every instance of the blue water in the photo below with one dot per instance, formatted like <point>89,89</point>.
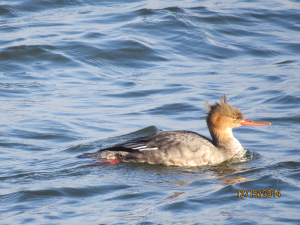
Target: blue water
<point>80,75</point>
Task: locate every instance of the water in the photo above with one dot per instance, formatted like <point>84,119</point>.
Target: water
<point>80,75</point>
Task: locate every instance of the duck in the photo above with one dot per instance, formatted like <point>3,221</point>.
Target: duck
<point>185,148</point>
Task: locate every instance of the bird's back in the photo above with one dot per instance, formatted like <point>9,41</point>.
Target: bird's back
<point>181,148</point>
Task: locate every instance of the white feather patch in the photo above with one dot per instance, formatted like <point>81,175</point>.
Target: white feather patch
<point>155,148</point>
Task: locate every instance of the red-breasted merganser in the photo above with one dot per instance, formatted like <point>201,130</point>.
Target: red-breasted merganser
<point>185,148</point>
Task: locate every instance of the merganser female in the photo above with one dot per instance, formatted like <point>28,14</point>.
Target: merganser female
<point>185,148</point>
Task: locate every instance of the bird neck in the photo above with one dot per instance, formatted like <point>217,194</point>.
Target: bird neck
<point>223,139</point>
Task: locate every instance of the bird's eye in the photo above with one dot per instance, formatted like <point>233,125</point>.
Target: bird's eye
<point>234,117</point>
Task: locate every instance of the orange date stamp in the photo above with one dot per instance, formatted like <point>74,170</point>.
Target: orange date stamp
<point>267,193</point>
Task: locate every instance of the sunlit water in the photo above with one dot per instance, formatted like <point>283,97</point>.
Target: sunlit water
<point>80,75</point>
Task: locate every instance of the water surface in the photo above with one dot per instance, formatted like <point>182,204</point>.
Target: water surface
<point>80,75</point>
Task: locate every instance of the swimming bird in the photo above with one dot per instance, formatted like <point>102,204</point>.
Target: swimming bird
<point>186,148</point>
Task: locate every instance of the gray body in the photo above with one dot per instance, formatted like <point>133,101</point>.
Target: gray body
<point>180,148</point>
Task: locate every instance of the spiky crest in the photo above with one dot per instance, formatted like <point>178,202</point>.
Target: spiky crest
<point>224,109</point>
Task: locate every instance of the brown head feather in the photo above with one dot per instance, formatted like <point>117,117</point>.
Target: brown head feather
<point>224,109</point>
